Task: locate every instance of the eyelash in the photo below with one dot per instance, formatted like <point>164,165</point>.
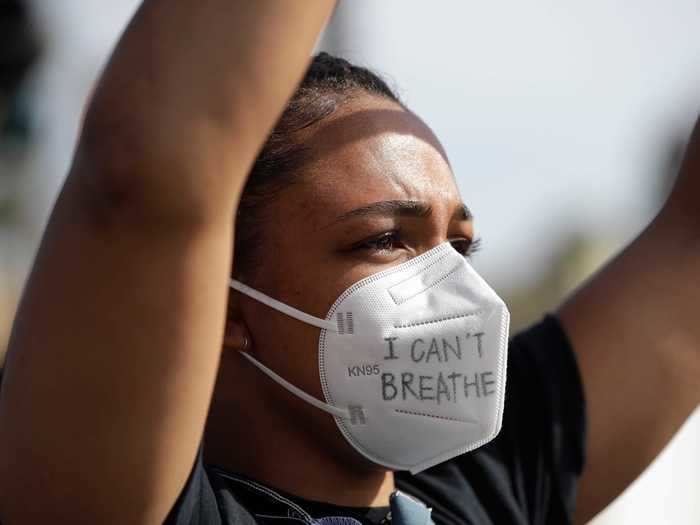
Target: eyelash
<point>464,247</point>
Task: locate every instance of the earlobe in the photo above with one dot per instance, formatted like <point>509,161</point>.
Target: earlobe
<point>237,338</point>
<point>236,335</point>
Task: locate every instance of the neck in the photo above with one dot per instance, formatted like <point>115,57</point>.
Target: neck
<point>305,465</point>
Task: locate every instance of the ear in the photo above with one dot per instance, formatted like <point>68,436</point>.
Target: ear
<point>236,335</point>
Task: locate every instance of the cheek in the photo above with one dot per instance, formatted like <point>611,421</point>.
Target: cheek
<point>286,345</point>
<point>289,347</point>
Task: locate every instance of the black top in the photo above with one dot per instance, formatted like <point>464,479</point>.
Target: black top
<point>526,475</point>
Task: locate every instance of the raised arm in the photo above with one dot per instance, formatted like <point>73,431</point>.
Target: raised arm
<point>116,342</point>
<point>636,332</point>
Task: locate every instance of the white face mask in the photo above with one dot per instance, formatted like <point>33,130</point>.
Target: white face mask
<point>412,360</point>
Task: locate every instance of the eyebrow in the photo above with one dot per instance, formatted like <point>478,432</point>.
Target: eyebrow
<point>399,208</point>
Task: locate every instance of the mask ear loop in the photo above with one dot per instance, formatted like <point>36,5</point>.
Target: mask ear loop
<point>332,410</point>
<point>300,316</point>
<point>284,308</point>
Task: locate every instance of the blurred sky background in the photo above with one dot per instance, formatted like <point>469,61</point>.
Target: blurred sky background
<point>564,123</point>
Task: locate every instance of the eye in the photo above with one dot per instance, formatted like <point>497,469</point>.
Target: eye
<point>386,242</point>
<point>466,247</point>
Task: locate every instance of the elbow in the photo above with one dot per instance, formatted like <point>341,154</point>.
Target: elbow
<point>131,165</point>
<point>110,171</point>
<point>123,175</point>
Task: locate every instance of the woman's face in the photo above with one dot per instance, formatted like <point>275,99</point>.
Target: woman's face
<point>376,192</point>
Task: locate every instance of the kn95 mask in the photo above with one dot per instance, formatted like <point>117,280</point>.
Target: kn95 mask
<point>412,360</point>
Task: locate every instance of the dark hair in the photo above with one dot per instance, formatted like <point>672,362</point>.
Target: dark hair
<point>329,82</point>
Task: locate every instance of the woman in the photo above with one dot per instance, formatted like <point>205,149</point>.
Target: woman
<point>127,341</point>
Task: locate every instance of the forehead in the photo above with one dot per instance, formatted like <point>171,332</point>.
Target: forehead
<point>373,150</point>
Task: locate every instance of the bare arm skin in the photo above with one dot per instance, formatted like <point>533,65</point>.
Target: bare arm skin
<point>116,343</point>
<point>636,332</point>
